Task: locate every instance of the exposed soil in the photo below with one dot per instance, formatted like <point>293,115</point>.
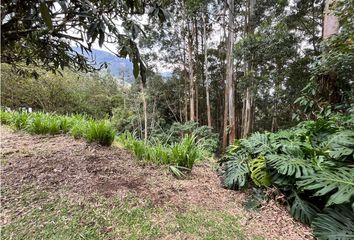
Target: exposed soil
<point>65,166</point>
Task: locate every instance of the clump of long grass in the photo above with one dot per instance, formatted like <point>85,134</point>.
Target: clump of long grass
<point>48,123</point>
<point>182,154</point>
<point>78,125</point>
<point>5,117</point>
<point>19,119</point>
<point>99,131</point>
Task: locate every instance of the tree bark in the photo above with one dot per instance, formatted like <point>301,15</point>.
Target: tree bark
<point>191,73</point>
<point>229,118</point>
<point>329,89</point>
<point>145,112</point>
<point>205,40</point>
<point>247,123</point>
<point>330,21</point>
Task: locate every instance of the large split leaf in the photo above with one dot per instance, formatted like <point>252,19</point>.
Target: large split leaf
<point>303,210</point>
<point>341,144</point>
<point>339,184</point>
<point>259,173</point>
<point>334,224</point>
<point>235,173</point>
<point>290,165</point>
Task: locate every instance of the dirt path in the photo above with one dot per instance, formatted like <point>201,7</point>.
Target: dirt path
<point>73,168</point>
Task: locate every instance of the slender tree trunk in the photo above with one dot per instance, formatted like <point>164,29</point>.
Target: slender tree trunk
<point>330,21</point>
<point>191,73</point>
<point>329,89</point>
<point>229,122</point>
<point>143,92</point>
<point>206,70</point>
<point>275,124</point>
<point>247,123</point>
<point>196,88</point>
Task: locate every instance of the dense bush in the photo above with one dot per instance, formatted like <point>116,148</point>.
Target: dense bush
<point>312,164</point>
<point>93,94</point>
<point>48,123</point>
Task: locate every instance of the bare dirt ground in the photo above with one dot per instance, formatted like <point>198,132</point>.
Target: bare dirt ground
<point>65,166</point>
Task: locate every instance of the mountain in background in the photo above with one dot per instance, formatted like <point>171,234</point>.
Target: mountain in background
<point>118,67</point>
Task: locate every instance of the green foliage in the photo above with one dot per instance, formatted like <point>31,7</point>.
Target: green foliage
<point>334,224</point>
<point>312,164</point>
<point>5,117</point>
<point>338,184</point>
<point>259,173</point>
<point>100,131</point>
<point>203,135</point>
<point>41,123</point>
<point>303,210</point>
<point>68,93</point>
<point>182,155</point>
<point>19,119</point>
<point>76,125</point>
<point>185,153</point>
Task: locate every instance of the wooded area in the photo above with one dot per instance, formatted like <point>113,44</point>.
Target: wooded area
<point>264,86</point>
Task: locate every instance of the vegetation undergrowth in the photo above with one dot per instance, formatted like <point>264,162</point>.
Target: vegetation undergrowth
<point>181,155</point>
<point>76,125</point>
<point>312,164</point>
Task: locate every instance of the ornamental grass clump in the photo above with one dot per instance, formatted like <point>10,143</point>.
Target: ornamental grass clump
<point>101,132</point>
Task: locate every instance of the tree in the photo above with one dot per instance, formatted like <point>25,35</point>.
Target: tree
<point>42,32</point>
<point>229,111</point>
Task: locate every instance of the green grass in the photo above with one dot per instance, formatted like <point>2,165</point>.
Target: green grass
<point>208,225</point>
<point>33,214</point>
<point>182,154</point>
<point>77,126</point>
<point>100,131</point>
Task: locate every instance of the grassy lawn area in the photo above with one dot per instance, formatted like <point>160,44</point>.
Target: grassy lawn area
<point>32,214</point>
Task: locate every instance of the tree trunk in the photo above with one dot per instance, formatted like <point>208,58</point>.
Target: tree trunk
<point>206,70</point>
<point>247,116</point>
<point>196,88</point>
<point>328,83</point>
<point>229,121</point>
<point>191,73</point>
<point>330,21</point>
<point>145,112</point>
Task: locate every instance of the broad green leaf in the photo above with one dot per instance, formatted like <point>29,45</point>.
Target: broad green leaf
<point>339,184</point>
<point>259,173</point>
<point>334,224</point>
<point>303,210</point>
<point>46,15</point>
<point>136,68</point>
<point>289,165</point>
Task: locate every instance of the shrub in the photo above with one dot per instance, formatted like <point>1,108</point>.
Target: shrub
<point>311,164</point>
<point>101,132</point>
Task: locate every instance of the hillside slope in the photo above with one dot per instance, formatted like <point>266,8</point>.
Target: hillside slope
<point>55,183</point>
